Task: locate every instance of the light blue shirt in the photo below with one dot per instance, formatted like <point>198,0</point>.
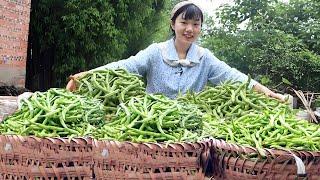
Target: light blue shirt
<point>154,63</point>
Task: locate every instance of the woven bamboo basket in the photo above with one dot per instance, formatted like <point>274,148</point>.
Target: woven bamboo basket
<point>230,161</point>
<point>45,158</point>
<point>126,160</point>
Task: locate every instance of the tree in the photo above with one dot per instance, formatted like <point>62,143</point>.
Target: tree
<point>78,35</point>
<point>270,47</point>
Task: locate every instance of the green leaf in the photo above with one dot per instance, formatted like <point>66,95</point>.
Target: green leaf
<point>286,81</point>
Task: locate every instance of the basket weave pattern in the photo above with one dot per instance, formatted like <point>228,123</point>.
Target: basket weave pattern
<point>115,160</point>
<point>230,162</point>
<point>85,158</point>
<point>49,158</point>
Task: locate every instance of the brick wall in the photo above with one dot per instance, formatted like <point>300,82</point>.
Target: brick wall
<point>14,28</point>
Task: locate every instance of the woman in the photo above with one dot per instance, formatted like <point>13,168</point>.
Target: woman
<point>179,64</point>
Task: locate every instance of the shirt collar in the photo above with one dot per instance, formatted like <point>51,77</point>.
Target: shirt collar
<point>168,51</point>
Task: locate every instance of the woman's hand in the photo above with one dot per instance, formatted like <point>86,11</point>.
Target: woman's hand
<point>21,97</point>
<point>72,85</point>
<point>280,97</point>
<point>262,89</point>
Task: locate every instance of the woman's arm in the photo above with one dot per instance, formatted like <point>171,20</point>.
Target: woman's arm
<point>137,64</point>
<point>262,89</point>
<point>220,71</point>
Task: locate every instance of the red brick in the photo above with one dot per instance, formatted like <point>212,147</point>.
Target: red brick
<point>14,27</point>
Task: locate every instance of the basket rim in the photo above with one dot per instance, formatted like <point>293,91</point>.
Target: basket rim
<point>53,140</point>
<point>175,146</point>
<point>203,144</point>
<point>222,144</point>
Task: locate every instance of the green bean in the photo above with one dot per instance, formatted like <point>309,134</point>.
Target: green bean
<point>53,111</point>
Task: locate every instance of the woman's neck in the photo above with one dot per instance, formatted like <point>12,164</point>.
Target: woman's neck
<point>182,49</point>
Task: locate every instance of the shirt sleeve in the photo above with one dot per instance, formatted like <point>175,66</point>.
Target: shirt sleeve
<point>219,72</point>
<point>137,64</point>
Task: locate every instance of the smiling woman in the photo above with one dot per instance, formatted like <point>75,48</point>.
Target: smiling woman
<point>179,65</point>
<point>186,27</point>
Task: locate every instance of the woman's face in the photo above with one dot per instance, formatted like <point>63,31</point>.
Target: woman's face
<point>186,31</point>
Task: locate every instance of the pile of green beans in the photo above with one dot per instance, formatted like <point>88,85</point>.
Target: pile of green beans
<point>153,118</point>
<point>55,113</point>
<point>237,114</point>
<point>112,105</point>
<point>276,129</point>
<point>231,100</point>
<point>111,86</point>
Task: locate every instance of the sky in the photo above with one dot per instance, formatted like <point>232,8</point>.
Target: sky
<point>209,6</point>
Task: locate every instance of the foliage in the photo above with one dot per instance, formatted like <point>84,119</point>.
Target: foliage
<point>84,34</point>
<point>317,102</point>
<point>268,47</point>
<point>302,19</point>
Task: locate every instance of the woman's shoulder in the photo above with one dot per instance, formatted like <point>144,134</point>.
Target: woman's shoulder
<point>209,56</point>
<point>161,45</point>
<point>207,53</point>
<point>157,47</point>
<point>203,50</point>
<point>164,48</point>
